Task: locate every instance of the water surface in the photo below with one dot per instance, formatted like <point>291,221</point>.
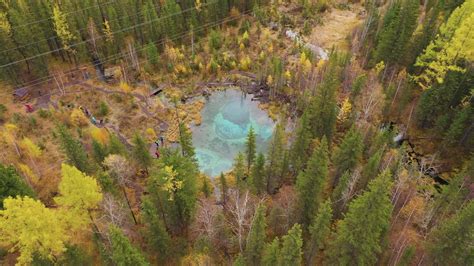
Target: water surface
<point>226,119</point>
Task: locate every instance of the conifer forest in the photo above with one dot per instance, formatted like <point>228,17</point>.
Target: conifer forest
<point>237,132</point>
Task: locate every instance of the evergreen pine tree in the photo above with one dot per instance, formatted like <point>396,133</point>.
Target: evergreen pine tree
<point>99,151</point>
<point>348,154</point>
<point>116,146</point>
<point>186,141</point>
<point>123,252</point>
<point>140,152</point>
<point>452,195</point>
<point>223,189</point>
<point>152,56</point>
<point>74,150</point>
<point>206,187</point>
<point>239,170</point>
<point>271,253</point>
<point>174,189</point>
<point>370,170</point>
<point>172,17</point>
<point>299,150</point>
<point>239,261</point>
<point>155,232</point>
<point>151,22</point>
<point>256,237</point>
<point>319,231</point>
<point>323,107</point>
<point>358,235</point>
<point>463,119</point>
<point>409,17</point>
<point>388,34</point>
<point>10,73</point>
<point>339,192</point>
<point>12,185</point>
<point>250,149</point>
<point>451,242</point>
<point>311,181</point>
<point>275,160</point>
<point>257,175</point>
<point>292,243</point>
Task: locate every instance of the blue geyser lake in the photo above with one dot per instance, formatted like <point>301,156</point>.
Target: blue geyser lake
<point>226,119</point>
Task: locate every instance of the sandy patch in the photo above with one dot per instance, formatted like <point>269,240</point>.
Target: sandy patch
<point>337,25</point>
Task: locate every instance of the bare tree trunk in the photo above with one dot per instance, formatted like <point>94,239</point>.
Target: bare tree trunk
<point>129,205</point>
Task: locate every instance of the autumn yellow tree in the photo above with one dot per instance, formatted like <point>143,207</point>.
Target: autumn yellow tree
<point>79,196</point>
<point>30,228</point>
<point>78,118</point>
<point>9,134</point>
<point>62,28</point>
<point>453,44</point>
<point>33,151</point>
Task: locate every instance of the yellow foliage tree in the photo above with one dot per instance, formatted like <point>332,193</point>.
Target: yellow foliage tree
<point>245,63</point>
<point>305,62</point>
<point>125,87</point>
<point>62,28</point>
<point>109,36</point>
<point>30,228</point>
<point>379,67</point>
<point>198,5</point>
<point>79,195</point>
<point>78,118</point>
<point>32,150</point>
<point>345,110</point>
<point>100,135</point>
<point>172,184</point>
<point>269,80</point>
<point>9,136</point>
<point>150,134</point>
<point>31,177</point>
<point>5,24</point>
<point>454,43</point>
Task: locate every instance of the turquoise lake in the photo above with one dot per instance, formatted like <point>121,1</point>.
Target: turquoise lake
<point>226,119</point>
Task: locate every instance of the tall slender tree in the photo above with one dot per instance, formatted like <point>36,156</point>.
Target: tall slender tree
<point>451,242</point>
<point>12,185</point>
<point>257,175</point>
<point>291,250</point>
<point>348,154</point>
<point>319,232</point>
<point>74,150</point>
<point>186,141</point>
<point>271,253</point>
<point>358,235</point>
<point>256,238</point>
<point>299,152</point>
<point>140,152</point>
<point>276,160</point>
<point>123,252</point>
<point>155,232</point>
<point>250,149</point>
<point>323,106</point>
<point>311,181</point>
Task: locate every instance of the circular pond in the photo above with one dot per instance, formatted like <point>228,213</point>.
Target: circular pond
<point>226,120</point>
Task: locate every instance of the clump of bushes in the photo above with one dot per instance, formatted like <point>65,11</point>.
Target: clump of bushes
<point>103,109</point>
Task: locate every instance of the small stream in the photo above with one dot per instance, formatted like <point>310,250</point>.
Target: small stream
<point>226,120</point>
<point>421,161</point>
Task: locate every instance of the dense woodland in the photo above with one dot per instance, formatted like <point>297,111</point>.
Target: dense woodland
<point>334,188</point>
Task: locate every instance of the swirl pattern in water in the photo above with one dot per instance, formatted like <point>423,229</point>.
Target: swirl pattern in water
<point>226,120</point>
